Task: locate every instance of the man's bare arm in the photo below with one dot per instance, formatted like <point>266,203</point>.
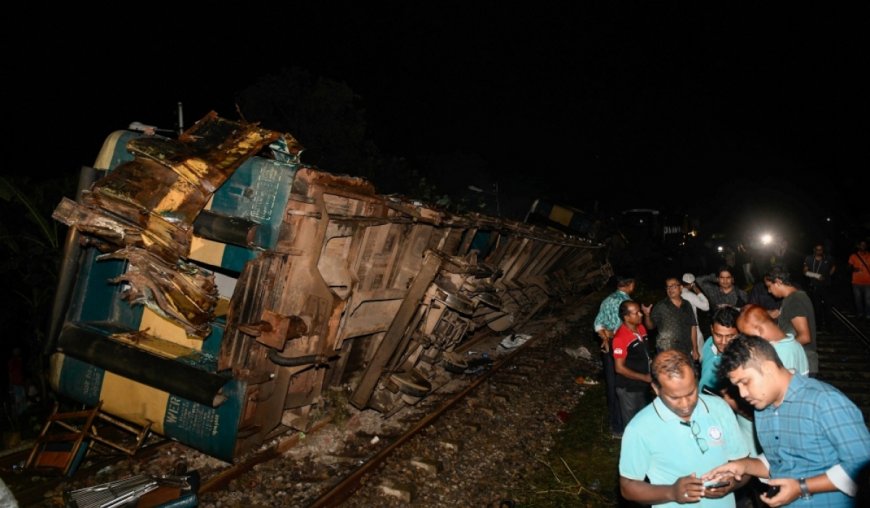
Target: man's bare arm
<point>801,329</point>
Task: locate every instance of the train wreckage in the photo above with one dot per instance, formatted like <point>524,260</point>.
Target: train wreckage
<point>214,287</point>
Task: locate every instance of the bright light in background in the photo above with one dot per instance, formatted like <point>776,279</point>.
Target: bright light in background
<point>766,239</point>
<point>720,249</point>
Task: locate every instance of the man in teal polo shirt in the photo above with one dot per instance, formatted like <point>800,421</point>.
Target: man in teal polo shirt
<point>676,439</point>
<point>724,329</point>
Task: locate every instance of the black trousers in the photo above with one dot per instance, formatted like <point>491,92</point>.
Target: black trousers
<point>821,298</point>
<point>613,410</point>
<point>630,403</point>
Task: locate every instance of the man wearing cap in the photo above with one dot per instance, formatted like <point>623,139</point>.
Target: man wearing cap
<point>692,294</point>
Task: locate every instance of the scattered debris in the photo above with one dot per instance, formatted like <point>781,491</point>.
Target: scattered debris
<point>402,493</point>
<point>579,352</point>
<point>141,490</point>
<point>514,340</point>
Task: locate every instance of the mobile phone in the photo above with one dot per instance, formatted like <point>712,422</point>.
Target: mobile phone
<point>715,485</point>
<point>772,491</point>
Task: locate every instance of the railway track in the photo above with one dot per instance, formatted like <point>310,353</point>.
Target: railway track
<point>454,456</point>
<point>488,393</point>
<point>438,445</point>
<point>844,359</point>
<point>398,464</point>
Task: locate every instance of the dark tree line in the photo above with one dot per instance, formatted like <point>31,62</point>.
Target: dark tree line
<point>325,115</point>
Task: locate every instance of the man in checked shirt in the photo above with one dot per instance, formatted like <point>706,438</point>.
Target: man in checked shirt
<point>813,437</point>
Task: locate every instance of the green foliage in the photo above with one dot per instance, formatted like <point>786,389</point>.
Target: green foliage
<point>325,115</point>
<point>46,231</point>
<point>328,119</point>
<point>29,254</point>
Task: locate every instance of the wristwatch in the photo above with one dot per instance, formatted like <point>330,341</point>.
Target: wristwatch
<point>805,491</point>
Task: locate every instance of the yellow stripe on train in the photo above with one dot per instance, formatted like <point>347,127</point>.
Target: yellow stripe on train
<point>134,401</point>
<point>207,251</point>
<point>561,215</point>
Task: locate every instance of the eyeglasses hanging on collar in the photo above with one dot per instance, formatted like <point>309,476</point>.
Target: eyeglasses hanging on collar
<point>696,433</point>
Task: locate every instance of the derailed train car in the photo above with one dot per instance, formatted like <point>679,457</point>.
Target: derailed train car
<point>216,287</point>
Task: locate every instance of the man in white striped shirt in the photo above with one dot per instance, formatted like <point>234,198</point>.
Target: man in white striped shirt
<point>692,294</point>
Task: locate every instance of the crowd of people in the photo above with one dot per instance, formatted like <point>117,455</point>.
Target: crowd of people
<point>738,418</point>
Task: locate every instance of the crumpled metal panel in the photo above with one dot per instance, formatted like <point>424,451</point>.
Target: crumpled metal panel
<point>183,293</point>
<point>170,181</point>
<point>149,204</point>
<point>208,152</point>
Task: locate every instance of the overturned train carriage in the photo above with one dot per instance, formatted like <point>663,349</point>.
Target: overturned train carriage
<point>214,288</point>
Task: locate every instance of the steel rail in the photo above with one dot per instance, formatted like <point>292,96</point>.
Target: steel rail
<point>347,486</point>
<point>222,479</point>
<point>852,327</point>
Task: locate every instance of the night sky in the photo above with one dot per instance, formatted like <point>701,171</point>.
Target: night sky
<point>610,106</point>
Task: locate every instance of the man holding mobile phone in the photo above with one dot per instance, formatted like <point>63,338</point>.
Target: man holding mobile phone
<point>814,438</point>
<point>678,437</point>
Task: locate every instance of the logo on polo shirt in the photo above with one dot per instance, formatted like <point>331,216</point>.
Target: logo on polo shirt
<point>715,434</point>
<point>617,351</point>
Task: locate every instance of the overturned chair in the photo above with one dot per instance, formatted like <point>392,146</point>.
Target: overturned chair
<point>66,437</point>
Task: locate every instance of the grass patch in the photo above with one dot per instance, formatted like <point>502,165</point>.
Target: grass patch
<point>581,469</point>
